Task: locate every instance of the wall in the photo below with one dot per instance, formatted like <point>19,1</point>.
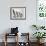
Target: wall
<point>24,25</point>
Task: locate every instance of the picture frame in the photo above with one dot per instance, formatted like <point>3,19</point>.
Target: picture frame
<point>18,13</point>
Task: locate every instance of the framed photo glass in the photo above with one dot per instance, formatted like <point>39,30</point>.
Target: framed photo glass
<point>17,13</point>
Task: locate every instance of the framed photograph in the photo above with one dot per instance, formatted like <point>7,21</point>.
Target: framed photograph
<point>17,13</point>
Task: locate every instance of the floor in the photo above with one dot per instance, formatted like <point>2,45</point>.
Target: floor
<point>13,44</point>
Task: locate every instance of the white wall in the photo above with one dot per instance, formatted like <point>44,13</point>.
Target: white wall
<point>24,25</point>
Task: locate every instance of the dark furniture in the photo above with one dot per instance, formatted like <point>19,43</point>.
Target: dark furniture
<point>14,32</point>
<point>27,42</point>
<point>7,35</point>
